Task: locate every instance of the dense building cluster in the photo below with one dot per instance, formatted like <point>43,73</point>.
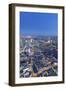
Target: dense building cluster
<point>38,56</point>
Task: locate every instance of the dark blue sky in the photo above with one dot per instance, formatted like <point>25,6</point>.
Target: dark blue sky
<point>45,24</point>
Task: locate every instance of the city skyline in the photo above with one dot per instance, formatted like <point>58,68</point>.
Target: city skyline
<point>38,54</point>
<point>43,24</point>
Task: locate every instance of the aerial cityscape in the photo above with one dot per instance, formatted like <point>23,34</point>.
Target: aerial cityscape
<point>38,56</point>
<point>38,48</point>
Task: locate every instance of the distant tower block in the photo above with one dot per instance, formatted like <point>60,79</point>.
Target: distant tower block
<point>31,40</point>
<point>26,41</point>
<point>49,40</point>
<point>30,51</point>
